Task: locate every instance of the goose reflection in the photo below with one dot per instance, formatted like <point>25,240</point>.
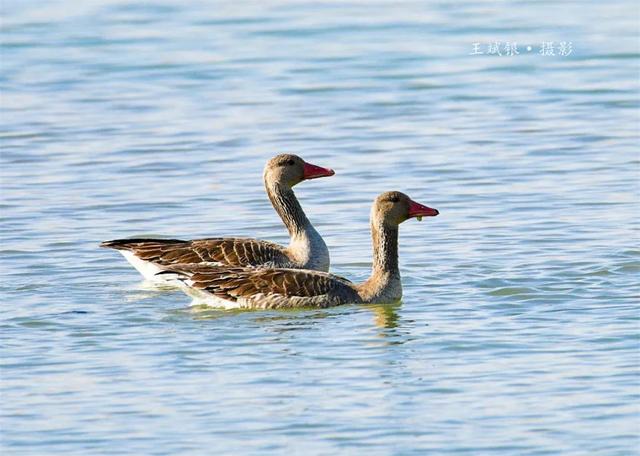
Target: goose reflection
<point>385,315</point>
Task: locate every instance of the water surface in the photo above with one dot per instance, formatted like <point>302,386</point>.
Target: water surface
<point>518,331</point>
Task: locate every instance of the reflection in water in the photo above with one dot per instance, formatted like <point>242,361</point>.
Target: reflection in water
<point>385,315</point>
<point>197,313</point>
<point>280,320</point>
<point>147,290</point>
<point>393,330</point>
<point>148,285</point>
<point>292,320</point>
<point>205,312</point>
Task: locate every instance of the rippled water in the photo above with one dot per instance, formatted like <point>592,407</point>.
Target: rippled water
<point>518,332</point>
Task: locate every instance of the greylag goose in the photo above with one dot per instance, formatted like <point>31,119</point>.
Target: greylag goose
<point>279,288</point>
<point>306,249</point>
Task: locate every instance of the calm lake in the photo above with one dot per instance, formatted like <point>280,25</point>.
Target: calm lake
<point>518,333</point>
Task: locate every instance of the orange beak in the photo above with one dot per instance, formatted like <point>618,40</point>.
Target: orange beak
<point>419,210</point>
<point>314,172</point>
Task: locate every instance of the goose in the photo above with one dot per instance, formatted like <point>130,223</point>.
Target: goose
<point>282,288</point>
<point>306,249</point>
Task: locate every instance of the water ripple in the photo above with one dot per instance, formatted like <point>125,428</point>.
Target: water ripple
<point>517,333</point>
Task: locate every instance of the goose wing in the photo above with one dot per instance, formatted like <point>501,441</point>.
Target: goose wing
<point>268,288</point>
<point>222,251</point>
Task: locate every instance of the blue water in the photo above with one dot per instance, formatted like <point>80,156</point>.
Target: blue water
<point>518,331</point>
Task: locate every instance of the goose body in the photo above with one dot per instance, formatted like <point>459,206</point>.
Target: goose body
<point>261,288</point>
<point>281,288</point>
<point>306,250</point>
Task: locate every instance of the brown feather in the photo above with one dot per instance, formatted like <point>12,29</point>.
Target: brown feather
<point>227,251</point>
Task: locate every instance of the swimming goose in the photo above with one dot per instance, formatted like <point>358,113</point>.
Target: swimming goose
<point>306,249</point>
<point>278,288</point>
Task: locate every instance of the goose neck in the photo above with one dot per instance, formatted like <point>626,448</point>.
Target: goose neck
<point>288,208</point>
<point>384,285</point>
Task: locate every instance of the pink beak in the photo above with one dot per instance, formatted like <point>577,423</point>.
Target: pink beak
<point>313,171</point>
<point>419,210</point>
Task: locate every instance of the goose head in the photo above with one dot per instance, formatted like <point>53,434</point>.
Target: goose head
<point>289,170</point>
<point>392,208</point>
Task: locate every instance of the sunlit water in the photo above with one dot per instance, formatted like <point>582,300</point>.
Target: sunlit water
<point>518,332</point>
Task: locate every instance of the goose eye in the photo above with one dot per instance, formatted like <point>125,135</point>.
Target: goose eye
<point>395,199</point>
<point>290,162</point>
